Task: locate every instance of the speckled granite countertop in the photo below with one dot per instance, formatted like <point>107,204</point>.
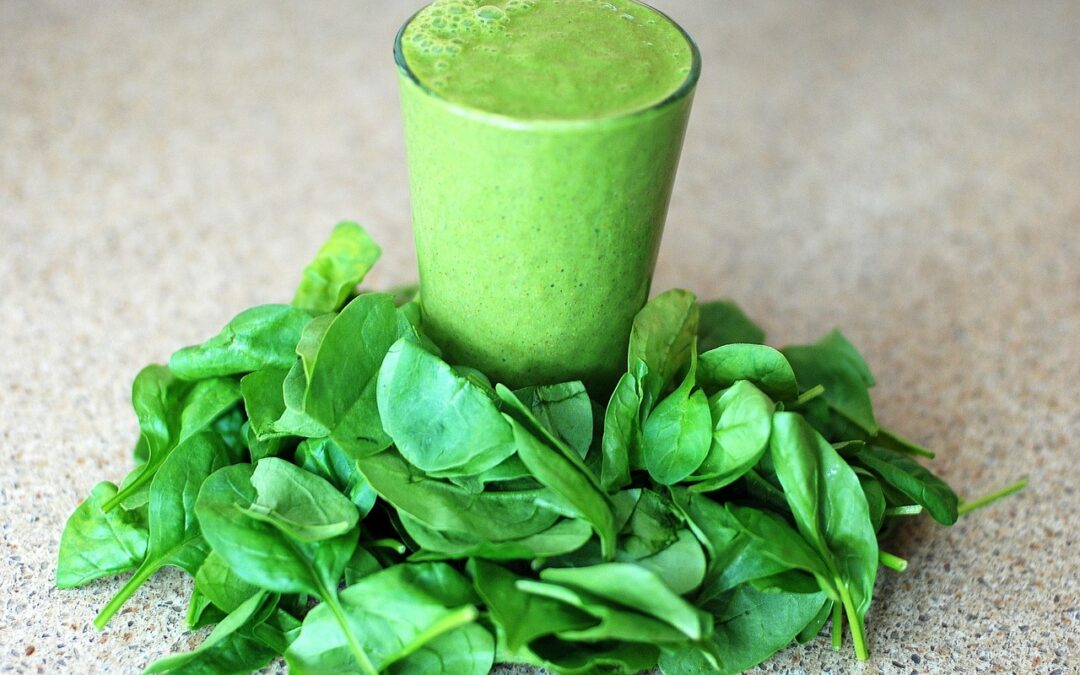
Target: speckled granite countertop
<point>909,171</point>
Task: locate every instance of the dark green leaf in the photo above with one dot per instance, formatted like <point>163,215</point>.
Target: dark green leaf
<point>389,615</point>
<point>574,483</point>
<point>830,510</point>
<point>914,480</point>
<point>750,627</point>
<point>622,429</point>
<point>723,323</point>
<point>636,588</point>
<point>442,506</point>
<point>230,648</point>
<point>845,378</point>
<point>325,458</point>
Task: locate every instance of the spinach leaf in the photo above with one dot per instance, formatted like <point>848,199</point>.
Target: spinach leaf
<point>264,401</point>
<point>676,435</point>
<point>875,498</point>
<point>831,511</point>
<point>157,397</point>
<point>97,544</point>
<point>662,338</point>
<point>574,483</point>
<point>565,536</point>
<point>221,585</point>
<point>230,648</point>
<point>609,621</point>
<point>259,337</point>
<point>563,409</point>
<point>175,539</point>
<point>743,416</point>
<point>340,368</point>
<point>636,588</point>
<point>302,505</point>
<point>325,458</point>
<point>764,366</point>
<point>339,267</point>
<point>442,506</point>
<point>622,429</point>
<point>440,422</point>
<point>523,617</point>
<point>468,650</point>
<point>391,614</point>
<point>263,554</point>
<point>258,551</point>
<point>833,364</point>
<point>913,480</point>
<point>167,420</point>
<point>750,626</point>
<point>722,323</point>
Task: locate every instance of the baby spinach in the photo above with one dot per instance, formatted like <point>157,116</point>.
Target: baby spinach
<point>563,409</point>
<point>676,435</point>
<point>750,626</point>
<point>260,337</point>
<point>231,647</point>
<point>763,366</point>
<point>720,506</point>
<point>392,614</point>
<point>97,544</point>
<point>175,538</point>
<point>663,339</point>
<point>743,423</point>
<point>440,422</point>
<point>834,364</point>
<point>622,428</point>
<point>523,617</point>
<point>831,511</point>
<point>338,268</point>
<point>723,322</point>
<point>912,479</point>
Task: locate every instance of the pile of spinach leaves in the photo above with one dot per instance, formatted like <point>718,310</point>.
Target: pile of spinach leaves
<point>347,499</point>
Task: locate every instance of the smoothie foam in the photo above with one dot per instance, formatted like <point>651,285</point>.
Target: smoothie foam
<point>547,59</point>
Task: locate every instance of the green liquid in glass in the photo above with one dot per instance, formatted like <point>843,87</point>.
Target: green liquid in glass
<point>542,141</point>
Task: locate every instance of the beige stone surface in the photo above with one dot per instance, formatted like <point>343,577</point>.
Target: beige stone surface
<point>908,171</point>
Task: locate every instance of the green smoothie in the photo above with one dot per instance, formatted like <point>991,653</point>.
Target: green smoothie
<point>542,140</point>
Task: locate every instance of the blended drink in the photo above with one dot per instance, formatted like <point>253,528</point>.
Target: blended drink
<point>542,139</point>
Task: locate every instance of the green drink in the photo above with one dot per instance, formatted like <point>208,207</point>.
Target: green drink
<point>542,139</point>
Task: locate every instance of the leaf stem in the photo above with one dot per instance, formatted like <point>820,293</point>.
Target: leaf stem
<point>893,562</point>
<point>810,394</point>
<point>145,571</point>
<point>895,441</point>
<point>858,635</point>
<point>837,626</point>
<point>362,660</point>
<point>979,502</point>
<point>906,510</point>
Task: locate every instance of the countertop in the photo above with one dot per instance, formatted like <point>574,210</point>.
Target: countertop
<point>907,171</point>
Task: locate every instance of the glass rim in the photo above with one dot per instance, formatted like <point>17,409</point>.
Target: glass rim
<point>685,88</point>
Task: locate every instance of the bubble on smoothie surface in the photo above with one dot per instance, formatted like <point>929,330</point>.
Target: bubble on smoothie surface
<point>547,59</point>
